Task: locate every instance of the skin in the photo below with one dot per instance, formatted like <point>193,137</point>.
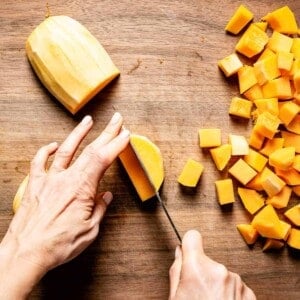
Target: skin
<point>42,234</point>
<point>193,275</point>
<point>60,213</point>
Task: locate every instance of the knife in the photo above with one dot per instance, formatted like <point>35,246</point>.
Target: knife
<point>157,195</point>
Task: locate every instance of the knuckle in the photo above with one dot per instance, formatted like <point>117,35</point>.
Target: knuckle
<point>99,157</point>
<point>222,272</point>
<point>64,153</point>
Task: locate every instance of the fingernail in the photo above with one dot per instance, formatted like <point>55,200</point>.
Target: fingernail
<point>125,133</point>
<point>107,197</point>
<point>177,252</point>
<point>115,118</point>
<point>86,120</point>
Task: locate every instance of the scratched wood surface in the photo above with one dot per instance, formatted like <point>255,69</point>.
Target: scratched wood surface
<point>169,88</point>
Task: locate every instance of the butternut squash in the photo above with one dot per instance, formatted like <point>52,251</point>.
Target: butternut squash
<point>283,20</point>
<point>191,173</point>
<point>270,105</point>
<point>248,232</point>
<point>295,50</point>
<point>242,171</point>
<point>252,41</point>
<point>272,244</point>
<point>69,61</point>
<point>255,160</point>
<point>271,183</point>
<point>209,137</point>
<point>225,191</point>
<point>294,239</point>
<point>278,88</point>
<point>240,107</point>
<point>247,78</point>
<point>141,158</point>
<point>288,112</point>
<point>239,145</point>
<point>279,42</point>
<point>241,17</point>
<point>251,200</point>
<point>291,140</point>
<point>256,139</point>
<point>281,199</point>
<point>230,64</point>
<point>255,92</point>
<point>271,145</point>
<point>282,158</point>
<point>266,70</point>
<point>268,224</point>
<point>293,214</point>
<point>221,156</point>
<point>266,125</point>
<point>285,60</point>
<point>290,176</point>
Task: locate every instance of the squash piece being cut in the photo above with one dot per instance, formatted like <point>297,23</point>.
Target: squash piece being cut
<point>241,17</point>
<point>142,157</point>
<point>191,173</point>
<point>248,232</point>
<point>69,61</point>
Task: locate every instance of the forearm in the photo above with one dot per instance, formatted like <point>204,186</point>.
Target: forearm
<point>18,275</point>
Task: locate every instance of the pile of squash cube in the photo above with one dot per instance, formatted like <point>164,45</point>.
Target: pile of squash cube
<point>267,163</point>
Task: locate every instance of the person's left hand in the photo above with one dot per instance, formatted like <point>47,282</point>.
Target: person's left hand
<point>61,210</point>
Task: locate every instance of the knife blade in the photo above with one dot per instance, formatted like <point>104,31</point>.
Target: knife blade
<point>158,197</point>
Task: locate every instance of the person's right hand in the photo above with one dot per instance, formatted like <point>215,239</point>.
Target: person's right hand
<point>193,275</point>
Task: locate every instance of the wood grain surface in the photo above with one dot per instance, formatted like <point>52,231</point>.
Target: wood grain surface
<point>169,87</point>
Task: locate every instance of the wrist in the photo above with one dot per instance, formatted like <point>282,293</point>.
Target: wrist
<point>18,273</point>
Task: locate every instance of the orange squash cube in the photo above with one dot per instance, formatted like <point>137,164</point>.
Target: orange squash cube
<point>291,140</point>
<point>247,78</point>
<point>191,173</point>
<point>209,137</point>
<point>278,88</point>
<point>266,125</point>
<point>266,70</point>
<point>251,199</point>
<point>271,183</point>
<point>293,214</point>
<point>267,223</point>
<point>272,244</point>
<point>230,64</point>
<point>288,111</point>
<point>221,156</point>
<point>256,140</point>
<point>281,199</point>
<point>279,42</point>
<point>296,48</point>
<point>252,41</point>
<point>282,20</point>
<point>255,160</point>
<point>294,239</point>
<point>248,232</point>
<point>242,171</point>
<point>272,145</point>
<point>255,92</point>
<point>282,158</point>
<point>240,107</point>
<point>241,17</point>
<point>270,105</point>
<point>285,60</point>
<point>225,191</point>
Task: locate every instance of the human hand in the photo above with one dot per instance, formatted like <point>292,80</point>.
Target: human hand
<point>193,275</point>
<point>61,210</point>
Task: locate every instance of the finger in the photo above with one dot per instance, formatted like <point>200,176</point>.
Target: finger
<point>174,272</point>
<point>111,130</point>
<point>66,151</point>
<point>192,245</point>
<point>94,161</point>
<point>39,162</point>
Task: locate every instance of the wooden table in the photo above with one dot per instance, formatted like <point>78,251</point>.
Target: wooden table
<point>169,87</point>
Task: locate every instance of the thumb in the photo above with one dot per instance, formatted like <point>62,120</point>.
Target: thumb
<point>192,246</point>
<point>174,272</point>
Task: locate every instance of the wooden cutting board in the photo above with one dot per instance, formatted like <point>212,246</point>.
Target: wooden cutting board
<point>169,87</point>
